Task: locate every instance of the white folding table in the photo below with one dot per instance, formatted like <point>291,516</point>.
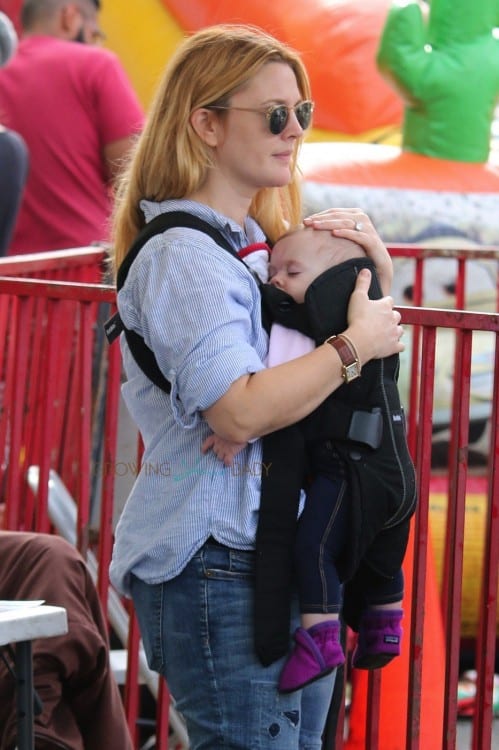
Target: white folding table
<point>20,624</point>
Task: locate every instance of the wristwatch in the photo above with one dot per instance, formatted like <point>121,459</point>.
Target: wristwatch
<point>351,367</point>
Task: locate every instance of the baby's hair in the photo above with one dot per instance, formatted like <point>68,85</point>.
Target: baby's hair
<point>336,243</point>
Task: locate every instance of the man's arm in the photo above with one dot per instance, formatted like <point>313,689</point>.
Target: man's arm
<point>115,156</point>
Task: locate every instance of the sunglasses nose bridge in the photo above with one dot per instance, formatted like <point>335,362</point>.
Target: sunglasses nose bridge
<point>294,118</point>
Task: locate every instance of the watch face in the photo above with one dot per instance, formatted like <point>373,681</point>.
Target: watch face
<point>351,371</point>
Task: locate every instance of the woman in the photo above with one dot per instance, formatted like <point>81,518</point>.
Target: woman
<point>221,143</point>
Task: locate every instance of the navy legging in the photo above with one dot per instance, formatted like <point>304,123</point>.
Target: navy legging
<point>320,540</point>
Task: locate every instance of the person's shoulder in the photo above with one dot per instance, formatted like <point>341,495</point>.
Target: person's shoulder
<point>39,47</point>
<point>73,53</point>
<point>90,54</point>
<point>178,253</point>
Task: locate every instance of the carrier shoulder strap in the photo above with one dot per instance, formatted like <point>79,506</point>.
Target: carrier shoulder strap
<point>142,354</point>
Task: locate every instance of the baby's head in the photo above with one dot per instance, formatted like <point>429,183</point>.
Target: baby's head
<point>299,256</point>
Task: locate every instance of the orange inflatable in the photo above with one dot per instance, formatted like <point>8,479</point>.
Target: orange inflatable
<point>338,42</point>
<point>372,165</point>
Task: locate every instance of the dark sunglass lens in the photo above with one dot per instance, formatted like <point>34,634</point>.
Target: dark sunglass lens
<point>278,119</point>
<point>303,113</point>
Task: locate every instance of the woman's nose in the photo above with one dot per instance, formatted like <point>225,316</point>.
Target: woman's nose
<point>293,127</point>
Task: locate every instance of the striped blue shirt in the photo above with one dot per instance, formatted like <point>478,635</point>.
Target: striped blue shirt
<point>198,309</point>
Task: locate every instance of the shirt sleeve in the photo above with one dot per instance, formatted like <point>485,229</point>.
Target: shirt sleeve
<point>118,112</point>
<point>198,309</point>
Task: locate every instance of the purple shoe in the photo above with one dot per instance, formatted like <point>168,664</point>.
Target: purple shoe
<point>380,636</point>
<point>317,652</point>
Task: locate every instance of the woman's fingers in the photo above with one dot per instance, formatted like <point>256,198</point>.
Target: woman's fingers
<point>363,281</point>
<point>375,324</point>
<point>350,219</point>
<point>353,224</point>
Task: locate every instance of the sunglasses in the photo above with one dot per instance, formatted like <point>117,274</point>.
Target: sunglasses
<point>277,116</point>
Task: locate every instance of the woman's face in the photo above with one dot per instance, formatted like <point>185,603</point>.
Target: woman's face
<point>247,154</point>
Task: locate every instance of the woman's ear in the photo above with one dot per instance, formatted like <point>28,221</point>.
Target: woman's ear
<point>206,123</point>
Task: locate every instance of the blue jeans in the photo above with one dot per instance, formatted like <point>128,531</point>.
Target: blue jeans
<point>197,631</point>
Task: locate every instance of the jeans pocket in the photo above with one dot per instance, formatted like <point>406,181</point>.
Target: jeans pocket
<point>227,564</point>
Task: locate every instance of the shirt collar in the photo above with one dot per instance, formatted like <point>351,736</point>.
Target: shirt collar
<point>252,231</point>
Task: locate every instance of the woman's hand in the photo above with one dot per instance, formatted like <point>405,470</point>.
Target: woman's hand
<point>373,325</point>
<point>355,225</point>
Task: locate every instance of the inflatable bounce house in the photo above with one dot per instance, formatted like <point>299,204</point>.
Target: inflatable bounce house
<point>439,185</point>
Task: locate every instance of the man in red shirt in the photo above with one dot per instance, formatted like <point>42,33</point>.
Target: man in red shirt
<point>78,114</point>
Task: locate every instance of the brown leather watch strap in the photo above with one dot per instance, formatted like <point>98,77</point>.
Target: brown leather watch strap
<point>351,366</point>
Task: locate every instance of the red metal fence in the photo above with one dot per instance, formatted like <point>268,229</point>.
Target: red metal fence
<point>59,402</point>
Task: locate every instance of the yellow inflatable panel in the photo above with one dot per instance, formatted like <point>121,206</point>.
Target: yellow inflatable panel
<point>474,532</point>
<point>144,36</point>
